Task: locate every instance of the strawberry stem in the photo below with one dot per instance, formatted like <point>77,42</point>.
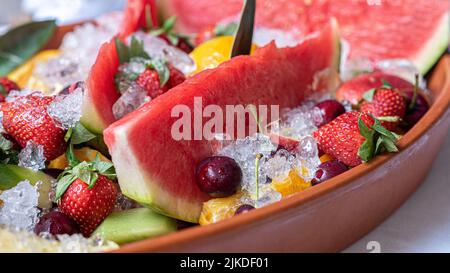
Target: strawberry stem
<point>415,92</point>
<point>257,160</point>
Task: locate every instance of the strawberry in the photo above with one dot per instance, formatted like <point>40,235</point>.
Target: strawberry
<point>150,81</point>
<point>157,76</point>
<point>6,86</point>
<point>86,192</point>
<point>386,104</point>
<point>354,89</point>
<point>26,119</point>
<point>355,137</point>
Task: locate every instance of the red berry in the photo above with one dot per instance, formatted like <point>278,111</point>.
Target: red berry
<point>419,109</point>
<point>328,170</point>
<point>26,119</point>
<point>149,80</point>
<point>89,207</point>
<point>341,137</point>
<point>386,102</point>
<point>6,86</point>
<point>330,109</point>
<point>354,89</point>
<point>219,176</point>
<point>55,223</point>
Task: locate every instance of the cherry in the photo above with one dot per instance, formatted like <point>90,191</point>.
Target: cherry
<point>219,176</point>
<point>244,209</point>
<point>328,170</point>
<point>53,172</point>
<point>56,222</point>
<point>330,109</point>
<point>413,115</point>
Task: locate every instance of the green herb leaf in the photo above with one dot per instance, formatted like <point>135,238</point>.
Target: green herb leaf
<point>122,51</point>
<point>22,42</point>
<point>80,134</point>
<point>383,131</point>
<point>368,96</point>
<point>379,146</point>
<point>226,30</point>
<point>162,69</point>
<point>173,38</point>
<point>63,183</point>
<point>169,24</point>
<point>366,150</point>
<point>73,161</point>
<point>389,145</point>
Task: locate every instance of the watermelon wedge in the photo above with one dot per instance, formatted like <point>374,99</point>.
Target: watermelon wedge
<point>417,30</point>
<point>158,171</point>
<point>101,93</point>
<point>136,16</point>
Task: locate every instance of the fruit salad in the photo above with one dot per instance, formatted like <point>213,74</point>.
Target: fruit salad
<point>90,160</point>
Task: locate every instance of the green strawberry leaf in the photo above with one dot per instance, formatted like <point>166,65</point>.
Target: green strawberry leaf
<point>136,49</point>
<point>383,131</point>
<point>122,51</point>
<point>173,38</point>
<point>162,69</point>
<point>386,84</point>
<point>63,184</point>
<point>366,150</point>
<point>71,158</point>
<point>363,129</point>
<point>389,145</point>
<point>368,96</point>
<point>104,168</point>
<point>379,146</point>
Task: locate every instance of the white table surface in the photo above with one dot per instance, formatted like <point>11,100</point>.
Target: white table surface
<point>422,223</point>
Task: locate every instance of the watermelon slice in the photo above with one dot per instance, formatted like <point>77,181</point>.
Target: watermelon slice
<point>417,30</point>
<point>101,93</point>
<point>136,16</point>
<point>158,171</point>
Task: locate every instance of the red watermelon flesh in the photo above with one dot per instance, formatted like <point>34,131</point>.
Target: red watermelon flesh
<point>417,30</point>
<point>158,171</point>
<point>354,89</point>
<point>101,93</point>
<point>135,16</point>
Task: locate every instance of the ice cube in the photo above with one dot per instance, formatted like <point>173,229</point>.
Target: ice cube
<point>269,198</point>
<point>32,156</point>
<point>301,121</point>
<point>355,67</point>
<point>66,108</point>
<point>244,151</point>
<point>158,48</point>
<point>132,99</point>
<point>19,209</point>
<point>278,166</point>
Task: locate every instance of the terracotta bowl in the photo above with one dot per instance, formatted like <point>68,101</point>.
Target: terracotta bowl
<point>331,216</point>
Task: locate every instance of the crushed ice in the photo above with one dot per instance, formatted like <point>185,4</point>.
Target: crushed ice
<point>32,156</point>
<point>132,99</point>
<point>157,48</point>
<point>19,208</point>
<point>66,108</point>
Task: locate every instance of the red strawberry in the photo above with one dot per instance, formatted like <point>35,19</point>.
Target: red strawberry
<point>26,119</point>
<point>354,89</point>
<point>86,192</point>
<point>385,103</point>
<point>354,137</point>
<point>149,80</point>
<point>6,86</point>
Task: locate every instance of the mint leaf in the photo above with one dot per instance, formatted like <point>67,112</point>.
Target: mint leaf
<point>226,30</point>
<point>389,145</point>
<point>80,134</point>
<point>122,51</point>
<point>169,24</point>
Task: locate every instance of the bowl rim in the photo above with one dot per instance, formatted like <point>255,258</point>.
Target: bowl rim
<point>437,110</point>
